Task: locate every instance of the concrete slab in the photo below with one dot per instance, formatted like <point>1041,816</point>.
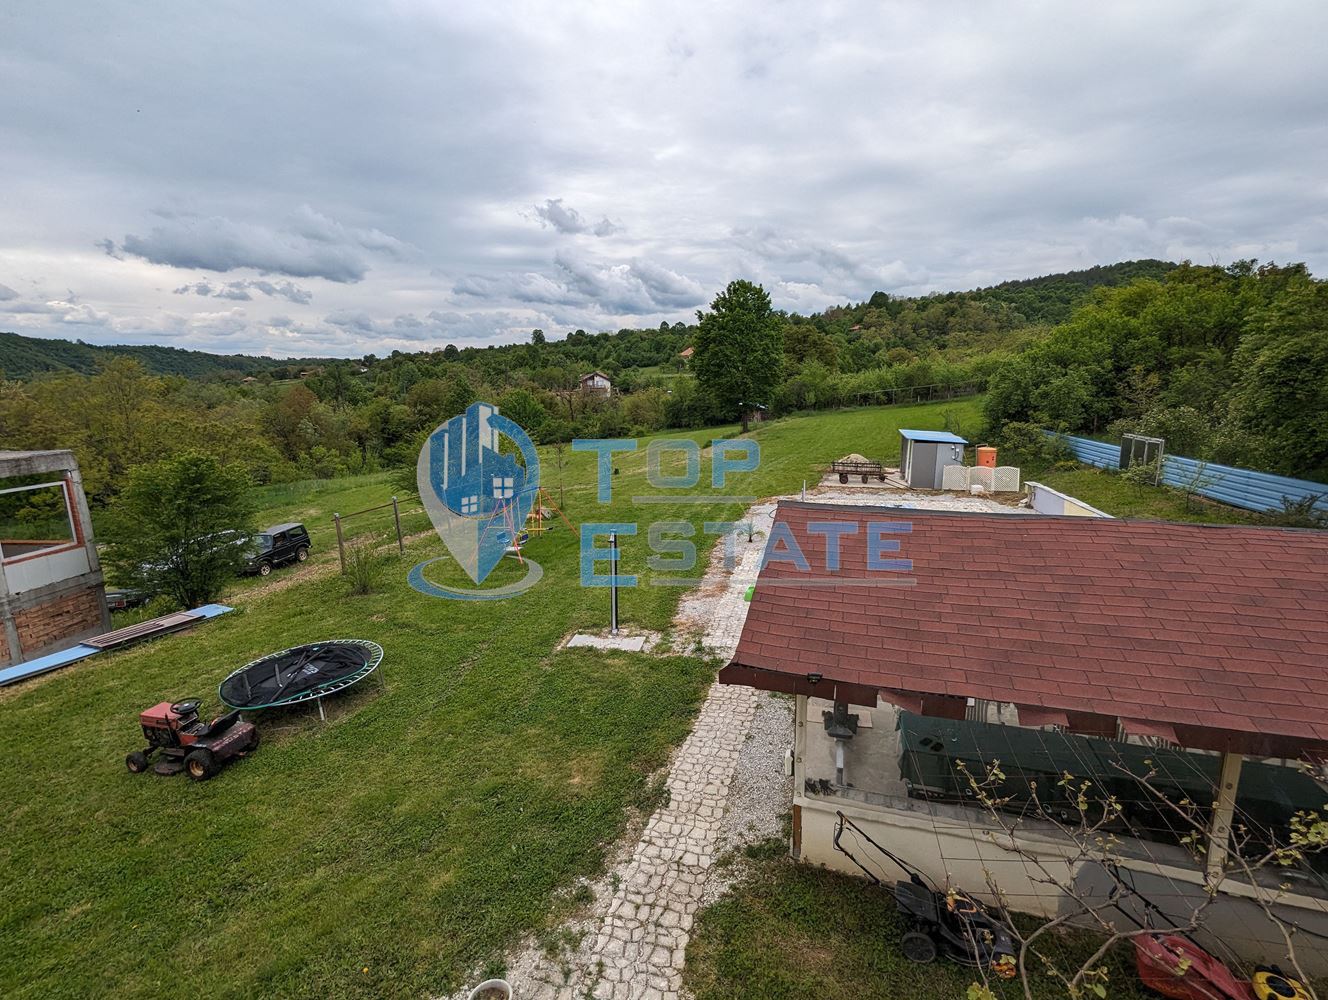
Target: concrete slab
<point>630,643</point>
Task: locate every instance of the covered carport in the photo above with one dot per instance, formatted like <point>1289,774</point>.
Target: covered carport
<point>1208,638</point>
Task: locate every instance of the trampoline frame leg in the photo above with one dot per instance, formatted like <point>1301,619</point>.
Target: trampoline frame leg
<point>321,714</point>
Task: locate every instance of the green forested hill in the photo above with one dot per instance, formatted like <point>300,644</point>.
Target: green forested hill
<point>23,357</point>
<point>1051,299</point>
<point>916,323</point>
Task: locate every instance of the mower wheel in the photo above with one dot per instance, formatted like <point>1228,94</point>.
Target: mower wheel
<point>302,553</point>
<point>137,762</point>
<point>200,765</point>
<point>264,568</point>
<point>918,947</point>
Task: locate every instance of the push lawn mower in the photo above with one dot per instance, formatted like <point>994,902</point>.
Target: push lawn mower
<point>949,923</point>
<point>189,744</point>
<point>1172,963</point>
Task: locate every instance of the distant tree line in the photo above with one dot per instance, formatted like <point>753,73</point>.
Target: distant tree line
<point>1225,362</point>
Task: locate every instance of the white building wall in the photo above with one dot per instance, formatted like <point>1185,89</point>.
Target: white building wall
<point>961,847</point>
<point>50,567</point>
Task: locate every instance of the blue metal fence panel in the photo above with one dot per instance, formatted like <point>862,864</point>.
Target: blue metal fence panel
<point>1104,456</point>
<point>1245,488</point>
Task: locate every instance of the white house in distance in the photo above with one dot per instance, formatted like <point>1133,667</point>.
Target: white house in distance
<point>597,383</point>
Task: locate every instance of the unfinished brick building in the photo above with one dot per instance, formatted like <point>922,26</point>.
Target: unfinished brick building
<point>51,591</point>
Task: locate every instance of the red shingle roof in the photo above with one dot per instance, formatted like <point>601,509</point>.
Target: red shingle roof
<point>1216,636</point>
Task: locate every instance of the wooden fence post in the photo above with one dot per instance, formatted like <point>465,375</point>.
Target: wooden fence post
<point>396,516</point>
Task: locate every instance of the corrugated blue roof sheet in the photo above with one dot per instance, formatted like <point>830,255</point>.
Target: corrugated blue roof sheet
<point>940,437</point>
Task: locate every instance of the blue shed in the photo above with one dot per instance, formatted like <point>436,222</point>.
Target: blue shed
<point>923,456</point>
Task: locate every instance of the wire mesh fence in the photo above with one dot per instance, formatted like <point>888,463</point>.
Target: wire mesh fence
<point>392,522</point>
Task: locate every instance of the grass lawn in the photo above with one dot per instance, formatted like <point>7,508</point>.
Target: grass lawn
<point>422,829</point>
<point>837,937</point>
<point>1107,491</point>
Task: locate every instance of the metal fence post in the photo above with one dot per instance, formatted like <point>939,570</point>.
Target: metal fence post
<point>341,543</point>
<point>396,516</point>
<point>613,587</point>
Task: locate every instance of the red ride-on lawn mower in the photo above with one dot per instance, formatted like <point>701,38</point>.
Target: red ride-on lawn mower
<point>189,744</point>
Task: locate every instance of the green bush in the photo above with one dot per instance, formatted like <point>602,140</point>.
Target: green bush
<point>364,566</point>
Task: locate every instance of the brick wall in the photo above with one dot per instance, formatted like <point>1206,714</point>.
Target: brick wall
<point>4,647</point>
<point>47,623</point>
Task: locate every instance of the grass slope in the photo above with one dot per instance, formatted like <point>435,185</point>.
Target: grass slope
<point>420,831</point>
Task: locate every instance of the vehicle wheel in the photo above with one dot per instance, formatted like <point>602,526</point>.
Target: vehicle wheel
<point>200,765</point>
<point>843,477</point>
<point>302,553</point>
<point>264,568</point>
<point>918,947</point>
<point>137,762</point>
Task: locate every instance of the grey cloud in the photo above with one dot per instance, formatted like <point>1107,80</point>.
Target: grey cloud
<point>807,261</point>
<point>565,219</point>
<point>238,291</point>
<point>7,294</point>
<point>436,327</point>
<point>827,153</point>
<point>361,322</point>
<point>309,245</point>
<point>637,287</point>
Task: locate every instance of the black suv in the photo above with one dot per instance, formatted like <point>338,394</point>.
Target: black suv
<point>281,543</point>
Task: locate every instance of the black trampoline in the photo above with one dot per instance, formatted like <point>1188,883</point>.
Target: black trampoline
<point>301,673</point>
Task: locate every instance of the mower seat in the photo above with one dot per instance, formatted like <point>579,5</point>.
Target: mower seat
<point>222,723</point>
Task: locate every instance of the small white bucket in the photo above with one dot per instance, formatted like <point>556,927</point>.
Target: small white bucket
<point>491,989</point>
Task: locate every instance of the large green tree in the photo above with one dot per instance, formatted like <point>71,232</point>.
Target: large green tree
<point>739,349</point>
<point>179,527</point>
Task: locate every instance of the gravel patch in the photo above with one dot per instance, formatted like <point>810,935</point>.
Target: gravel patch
<point>760,794</point>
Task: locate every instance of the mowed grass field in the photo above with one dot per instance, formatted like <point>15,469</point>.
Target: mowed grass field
<point>405,843</point>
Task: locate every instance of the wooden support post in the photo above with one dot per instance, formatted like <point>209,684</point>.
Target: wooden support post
<point>396,516</point>
<point>341,543</point>
<point>1224,811</point>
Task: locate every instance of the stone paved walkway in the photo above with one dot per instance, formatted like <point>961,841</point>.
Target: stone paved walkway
<point>635,941</point>
<point>643,939</point>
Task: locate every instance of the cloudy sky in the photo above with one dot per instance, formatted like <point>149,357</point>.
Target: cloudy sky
<point>301,178</point>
